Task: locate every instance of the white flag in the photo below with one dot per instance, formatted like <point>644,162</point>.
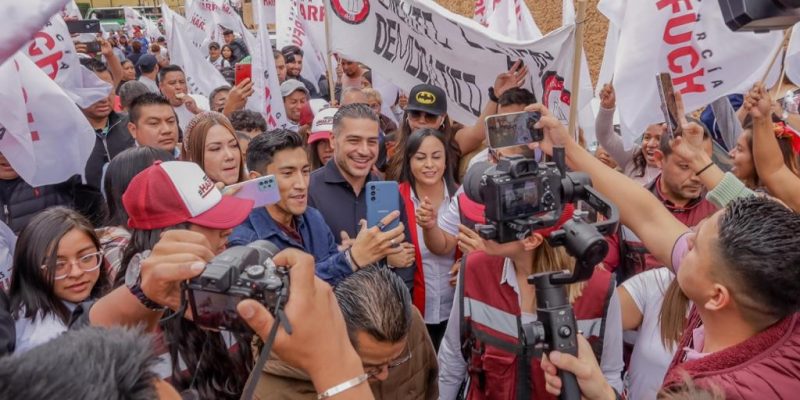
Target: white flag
<point>43,134</point>
<point>53,51</point>
<point>212,16</point>
<point>21,20</point>
<point>688,39</point>
<point>265,76</point>
<point>133,19</point>
<point>452,52</point>
<point>201,76</point>
<point>71,11</point>
<point>294,29</point>
<point>792,60</point>
<point>513,19</point>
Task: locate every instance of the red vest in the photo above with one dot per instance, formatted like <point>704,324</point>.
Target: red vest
<point>497,359</point>
<point>765,366</point>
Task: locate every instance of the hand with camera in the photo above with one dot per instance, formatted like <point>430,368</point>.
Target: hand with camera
<point>608,98</point>
<point>237,98</point>
<point>592,383</point>
<point>373,244</point>
<point>319,343</point>
<point>555,133</point>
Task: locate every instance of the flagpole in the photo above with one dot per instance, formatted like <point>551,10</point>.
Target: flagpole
<point>775,56</point>
<point>329,54</point>
<point>580,28</point>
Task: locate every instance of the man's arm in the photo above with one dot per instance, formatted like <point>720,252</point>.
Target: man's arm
<point>779,179</point>
<point>113,63</point>
<point>639,209</point>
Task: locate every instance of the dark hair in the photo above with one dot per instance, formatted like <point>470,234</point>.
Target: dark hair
<point>367,75</point>
<point>136,46</point>
<point>277,53</point>
<point>31,293</point>
<point>90,363</point>
<point>394,167</point>
<point>94,64</point>
<point>354,111</point>
<point>263,147</point>
<point>155,48</point>
<point>639,162</point>
<point>375,301</point>
<point>121,170</point>
<point>246,120</point>
<point>147,99</point>
<point>224,88</point>
<point>412,146</point>
<point>129,91</point>
<point>516,96</point>
<point>222,52</point>
<point>213,45</point>
<point>217,373</point>
<point>169,68</point>
<point>227,32</point>
<point>291,51</point>
<point>785,144</point>
<point>760,252</point>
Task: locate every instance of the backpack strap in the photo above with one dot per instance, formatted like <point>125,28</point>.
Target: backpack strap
<point>597,347</point>
<point>465,328</point>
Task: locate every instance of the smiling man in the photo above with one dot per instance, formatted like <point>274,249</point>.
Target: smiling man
<point>291,223</point>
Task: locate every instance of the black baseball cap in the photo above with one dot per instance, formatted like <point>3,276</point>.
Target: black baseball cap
<point>427,98</point>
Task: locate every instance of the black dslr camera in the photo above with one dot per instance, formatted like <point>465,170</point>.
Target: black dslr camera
<point>522,196</point>
<point>238,273</point>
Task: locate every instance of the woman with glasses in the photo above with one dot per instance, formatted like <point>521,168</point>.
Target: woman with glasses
<point>56,268</point>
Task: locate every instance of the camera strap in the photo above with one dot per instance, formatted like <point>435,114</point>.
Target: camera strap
<point>255,374</point>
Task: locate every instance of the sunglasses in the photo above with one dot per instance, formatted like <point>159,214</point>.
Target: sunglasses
<point>422,115</point>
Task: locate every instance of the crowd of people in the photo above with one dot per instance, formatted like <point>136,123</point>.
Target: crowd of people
<point>696,298</point>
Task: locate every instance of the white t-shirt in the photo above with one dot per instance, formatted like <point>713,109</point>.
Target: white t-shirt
<point>649,360</point>
<point>184,115</point>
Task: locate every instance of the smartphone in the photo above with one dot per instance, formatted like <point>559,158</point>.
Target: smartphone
<point>668,105</point>
<point>92,47</point>
<point>513,129</point>
<point>243,71</point>
<point>83,26</point>
<point>262,190</point>
<point>382,198</point>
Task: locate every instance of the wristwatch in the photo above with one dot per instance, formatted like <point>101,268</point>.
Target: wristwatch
<point>492,96</point>
<point>133,280</point>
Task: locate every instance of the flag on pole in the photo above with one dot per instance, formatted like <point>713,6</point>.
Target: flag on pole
<point>52,50</point>
<point>293,29</point>
<point>688,39</point>
<point>21,20</point>
<point>133,19</point>
<point>201,76</point>
<point>265,77</point>
<point>43,146</point>
<point>511,18</point>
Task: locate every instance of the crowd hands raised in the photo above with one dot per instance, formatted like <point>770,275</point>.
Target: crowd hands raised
<point>377,312</point>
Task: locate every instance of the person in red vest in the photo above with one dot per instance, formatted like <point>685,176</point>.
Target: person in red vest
<point>483,339</point>
<point>427,176</point>
<point>739,269</point>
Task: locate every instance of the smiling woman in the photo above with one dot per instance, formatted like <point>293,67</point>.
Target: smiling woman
<point>211,143</point>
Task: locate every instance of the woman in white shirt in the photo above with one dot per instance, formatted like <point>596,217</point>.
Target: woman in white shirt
<point>426,176</point>
<point>56,268</point>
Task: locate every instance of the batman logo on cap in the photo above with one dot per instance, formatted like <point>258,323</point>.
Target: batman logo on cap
<point>426,98</point>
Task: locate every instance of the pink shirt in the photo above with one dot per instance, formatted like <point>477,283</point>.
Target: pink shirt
<point>679,250</point>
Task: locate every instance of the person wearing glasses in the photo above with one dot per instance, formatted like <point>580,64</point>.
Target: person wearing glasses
<point>387,333</point>
<point>56,269</point>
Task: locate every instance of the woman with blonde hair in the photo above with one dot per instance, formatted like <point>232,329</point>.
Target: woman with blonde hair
<point>210,142</point>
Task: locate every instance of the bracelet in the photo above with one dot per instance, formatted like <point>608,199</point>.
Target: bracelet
<point>704,169</point>
<point>492,96</point>
<point>343,386</point>
<point>352,260</point>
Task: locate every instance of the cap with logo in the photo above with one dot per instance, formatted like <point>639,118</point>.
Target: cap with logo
<point>322,127</point>
<point>427,98</point>
<point>174,192</point>
<point>289,86</point>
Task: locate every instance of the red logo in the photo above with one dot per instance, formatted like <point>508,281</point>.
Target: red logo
<point>206,187</point>
<point>351,11</point>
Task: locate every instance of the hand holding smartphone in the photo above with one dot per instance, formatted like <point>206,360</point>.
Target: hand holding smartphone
<point>513,129</point>
<point>262,190</point>
<point>382,198</point>
<point>668,105</point>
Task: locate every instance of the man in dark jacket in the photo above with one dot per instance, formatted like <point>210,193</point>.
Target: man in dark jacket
<point>237,45</point>
<point>387,332</point>
<point>294,65</point>
<point>291,223</point>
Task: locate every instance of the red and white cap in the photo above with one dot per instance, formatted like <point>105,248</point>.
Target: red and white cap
<point>174,192</point>
<point>322,127</point>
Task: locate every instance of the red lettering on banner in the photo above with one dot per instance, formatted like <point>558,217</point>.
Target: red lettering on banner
<point>480,7</point>
<point>199,22</point>
<point>683,58</point>
<point>34,134</point>
<point>312,13</point>
<point>298,33</point>
<point>51,60</point>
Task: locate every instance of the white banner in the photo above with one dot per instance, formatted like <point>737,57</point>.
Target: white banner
<point>21,19</point>
<point>269,13</point>
<point>201,76</point>
<point>211,16</point>
<point>71,11</point>
<point>44,147</point>
<point>688,39</point>
<point>133,18</point>
<point>53,51</point>
<point>423,42</point>
<point>510,18</point>
<point>265,77</point>
<point>792,60</point>
<point>299,23</point>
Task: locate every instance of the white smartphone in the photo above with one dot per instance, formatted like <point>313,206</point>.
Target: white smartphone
<point>262,190</point>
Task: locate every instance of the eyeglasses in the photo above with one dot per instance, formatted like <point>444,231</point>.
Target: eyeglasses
<point>87,263</point>
<point>417,115</point>
<point>375,371</point>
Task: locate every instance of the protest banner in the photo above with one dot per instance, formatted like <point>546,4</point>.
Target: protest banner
<point>688,39</point>
<point>133,19</point>
<point>201,76</point>
<point>419,41</point>
<point>71,11</point>
<point>22,20</point>
<point>43,146</point>
<point>510,18</point>
<point>265,76</point>
<point>294,21</point>
<point>53,51</point>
